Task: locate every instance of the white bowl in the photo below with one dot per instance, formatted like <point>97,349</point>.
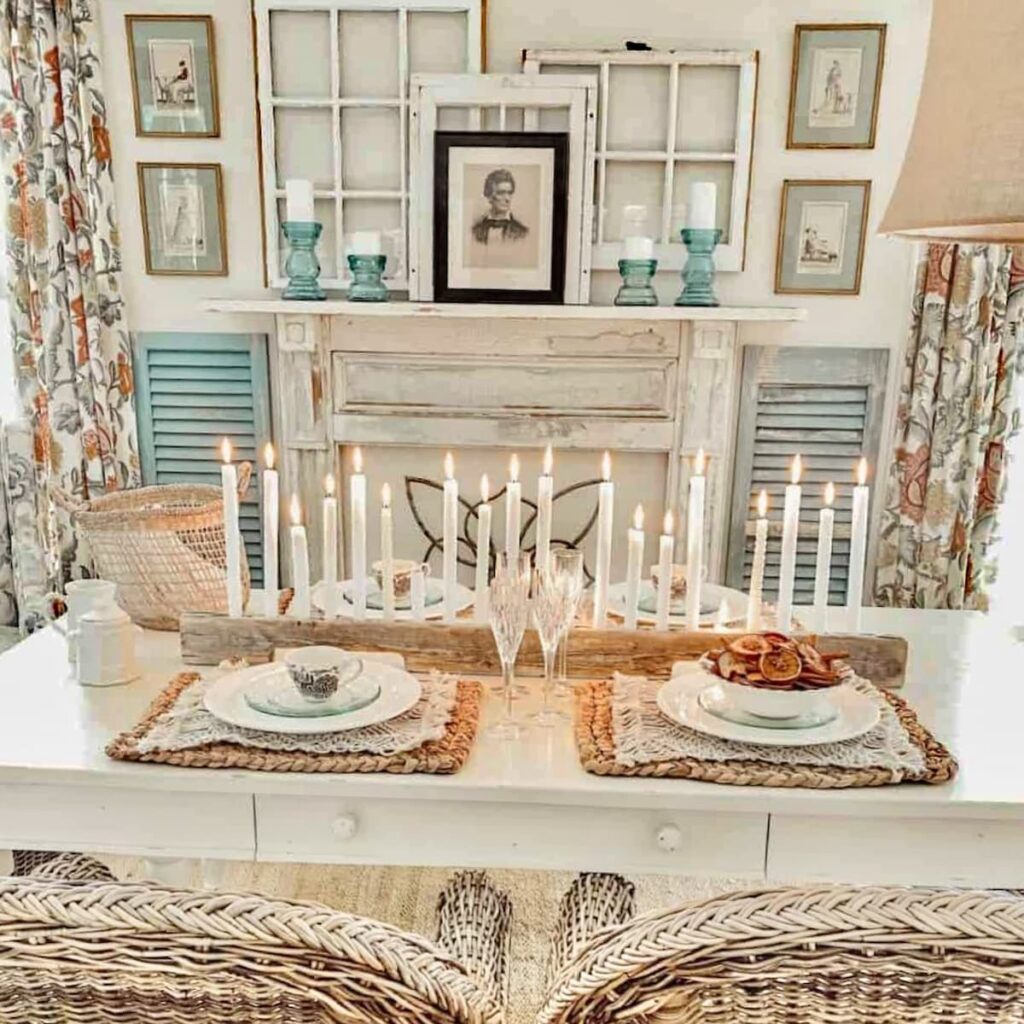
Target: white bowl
<point>776,703</point>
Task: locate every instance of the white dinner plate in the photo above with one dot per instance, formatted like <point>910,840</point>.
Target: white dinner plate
<point>711,594</point>
<point>679,700</point>
<point>225,699</point>
<point>435,610</point>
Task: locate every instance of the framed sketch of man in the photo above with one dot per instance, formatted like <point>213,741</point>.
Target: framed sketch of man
<point>500,216</point>
<point>174,75</point>
<point>822,229</point>
<point>835,86</point>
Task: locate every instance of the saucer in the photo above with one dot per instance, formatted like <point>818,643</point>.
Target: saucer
<point>275,694</point>
<point>712,595</point>
<point>715,701</point>
<point>649,602</point>
<point>434,594</point>
<point>433,607</point>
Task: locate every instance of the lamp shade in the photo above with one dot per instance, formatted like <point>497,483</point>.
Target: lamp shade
<point>963,172</point>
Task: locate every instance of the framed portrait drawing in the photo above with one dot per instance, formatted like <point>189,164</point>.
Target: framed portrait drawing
<point>174,74</point>
<point>183,219</point>
<point>500,216</point>
<point>822,229</point>
<point>835,85</point>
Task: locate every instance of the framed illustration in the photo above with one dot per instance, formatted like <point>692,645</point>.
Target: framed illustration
<point>835,86</point>
<point>500,216</point>
<point>183,219</point>
<point>822,229</point>
<point>174,74</point>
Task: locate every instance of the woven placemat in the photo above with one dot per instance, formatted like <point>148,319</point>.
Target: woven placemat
<point>596,745</point>
<point>441,757</point>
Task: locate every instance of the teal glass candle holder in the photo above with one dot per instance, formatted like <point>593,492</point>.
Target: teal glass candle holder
<point>636,288</point>
<point>302,266</point>
<point>699,272</point>
<point>367,285</point>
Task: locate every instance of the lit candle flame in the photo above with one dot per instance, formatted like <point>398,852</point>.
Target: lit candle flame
<point>762,505</point>
<point>485,489</point>
<point>513,468</point>
<point>830,493</point>
<point>698,463</point>
<point>296,511</point>
<point>549,460</point>
<point>268,455</point>
<point>667,527</point>
<point>606,467</point>
<point>225,450</point>
<point>449,466</point>
<point>385,496</point>
<point>638,517</point>
<point>796,469</point>
<point>862,472</point>
<point>329,485</point>
<point>357,459</point>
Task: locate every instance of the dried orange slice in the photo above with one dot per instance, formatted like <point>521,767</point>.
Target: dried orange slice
<point>780,666</point>
<point>750,646</point>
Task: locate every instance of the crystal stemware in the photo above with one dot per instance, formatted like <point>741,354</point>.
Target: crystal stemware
<point>519,566</point>
<point>567,564</point>
<point>509,613</point>
<point>551,610</point>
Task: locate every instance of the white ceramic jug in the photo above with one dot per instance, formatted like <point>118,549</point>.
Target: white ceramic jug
<point>84,596</point>
<point>106,647</point>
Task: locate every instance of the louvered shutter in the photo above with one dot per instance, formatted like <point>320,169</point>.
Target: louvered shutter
<point>826,405</point>
<point>193,390</point>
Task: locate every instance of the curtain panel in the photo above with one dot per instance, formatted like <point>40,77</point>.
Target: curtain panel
<point>958,407</point>
<point>71,345</point>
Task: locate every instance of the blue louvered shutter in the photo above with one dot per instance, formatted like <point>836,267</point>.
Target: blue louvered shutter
<point>193,390</point>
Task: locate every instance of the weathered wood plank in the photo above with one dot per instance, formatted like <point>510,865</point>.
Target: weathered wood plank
<point>208,639</point>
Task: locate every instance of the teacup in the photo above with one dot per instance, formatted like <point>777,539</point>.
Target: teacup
<point>677,587</point>
<point>403,569</point>
<point>319,672</point>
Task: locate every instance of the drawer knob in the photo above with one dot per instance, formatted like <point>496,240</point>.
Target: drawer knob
<point>345,826</point>
<point>669,838</point>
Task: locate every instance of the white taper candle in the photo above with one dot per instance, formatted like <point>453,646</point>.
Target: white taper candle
<point>513,502</point>
<point>387,554</point>
<point>300,606</point>
<point>787,566</point>
<point>605,522</point>
<point>450,537</point>
<point>271,533</point>
<point>634,566</point>
<point>858,548</point>
<point>545,492</point>
<point>665,553</point>
<point>232,534</point>
<point>481,587</point>
<point>823,563</point>
<point>330,549</point>
<point>756,599</point>
<point>695,542</point>
<point>357,533</point>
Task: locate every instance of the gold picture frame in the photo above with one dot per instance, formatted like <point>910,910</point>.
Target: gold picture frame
<point>201,249</point>
<point>840,128</point>
<point>817,252</point>
<point>150,121</point>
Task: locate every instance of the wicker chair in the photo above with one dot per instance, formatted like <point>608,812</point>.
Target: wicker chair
<point>88,951</point>
<point>823,955</point>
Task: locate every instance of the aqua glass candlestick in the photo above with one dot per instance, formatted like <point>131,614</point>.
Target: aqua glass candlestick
<point>302,265</point>
<point>367,285</point>
<point>636,289</point>
<point>699,272</point>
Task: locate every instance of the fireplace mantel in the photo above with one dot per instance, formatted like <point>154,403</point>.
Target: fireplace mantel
<point>651,380</point>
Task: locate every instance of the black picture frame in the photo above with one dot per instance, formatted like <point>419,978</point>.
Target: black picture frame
<point>444,143</point>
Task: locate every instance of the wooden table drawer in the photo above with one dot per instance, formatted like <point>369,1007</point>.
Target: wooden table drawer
<point>110,819</point>
<point>896,851</point>
<point>569,838</point>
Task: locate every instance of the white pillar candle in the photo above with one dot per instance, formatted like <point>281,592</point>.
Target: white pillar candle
<point>637,247</point>
<point>387,554</point>
<point>451,537</point>
<point>634,566</point>
<point>823,564</point>
<point>418,593</point>
<point>756,598</point>
<point>481,589</point>
<point>357,534</point>
<point>605,520</point>
<point>665,554</point>
<point>330,549</point>
<point>271,531</point>
<point>545,492</point>
<point>301,608</point>
<point>858,548</point>
<point>366,243</point>
<point>298,194</point>
<point>513,504</point>
<point>787,565</point>
<point>695,542</point>
<point>703,199</point>
<point>232,534</point>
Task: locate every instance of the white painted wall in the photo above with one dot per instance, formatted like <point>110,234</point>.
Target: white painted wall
<point>878,316</point>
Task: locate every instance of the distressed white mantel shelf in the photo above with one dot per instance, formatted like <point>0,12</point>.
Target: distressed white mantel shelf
<point>483,311</point>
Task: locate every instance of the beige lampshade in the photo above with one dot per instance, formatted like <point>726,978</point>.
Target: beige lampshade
<point>963,173</point>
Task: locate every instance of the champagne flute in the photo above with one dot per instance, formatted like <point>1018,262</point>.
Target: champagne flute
<point>509,613</point>
<point>551,609</point>
<point>567,563</point>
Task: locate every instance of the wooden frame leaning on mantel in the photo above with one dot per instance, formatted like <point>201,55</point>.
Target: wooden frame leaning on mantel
<point>672,151</point>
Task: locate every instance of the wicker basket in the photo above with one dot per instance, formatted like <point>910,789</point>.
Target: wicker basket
<point>163,546</point>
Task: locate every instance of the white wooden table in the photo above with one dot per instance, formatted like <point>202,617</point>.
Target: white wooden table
<point>529,804</point>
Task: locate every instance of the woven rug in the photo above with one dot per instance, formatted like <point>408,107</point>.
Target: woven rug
<point>596,743</point>
<point>442,756</point>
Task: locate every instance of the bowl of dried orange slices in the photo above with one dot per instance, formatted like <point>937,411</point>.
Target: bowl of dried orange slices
<point>772,675</point>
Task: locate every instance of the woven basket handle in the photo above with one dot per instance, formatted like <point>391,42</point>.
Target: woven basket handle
<point>244,476</point>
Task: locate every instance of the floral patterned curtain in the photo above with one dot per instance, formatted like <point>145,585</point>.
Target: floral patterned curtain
<point>63,258</point>
<point>957,409</point>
